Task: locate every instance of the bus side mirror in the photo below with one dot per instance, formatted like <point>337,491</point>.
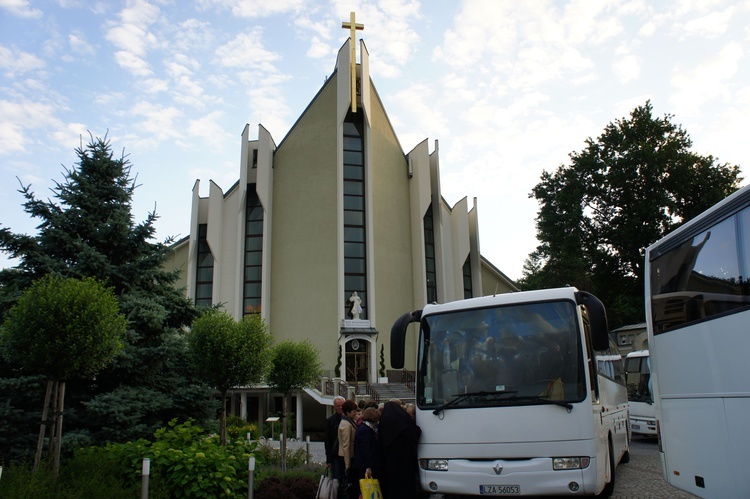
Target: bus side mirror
<point>597,319</point>
<point>398,337</point>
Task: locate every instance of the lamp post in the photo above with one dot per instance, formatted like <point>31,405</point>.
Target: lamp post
<point>146,471</point>
<point>250,477</point>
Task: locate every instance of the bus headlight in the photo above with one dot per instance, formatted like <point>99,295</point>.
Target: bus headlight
<point>570,463</point>
<point>434,464</point>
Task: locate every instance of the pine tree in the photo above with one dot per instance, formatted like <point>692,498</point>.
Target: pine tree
<point>87,230</point>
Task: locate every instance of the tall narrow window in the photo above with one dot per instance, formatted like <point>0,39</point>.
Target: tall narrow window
<point>355,248</point>
<point>204,281</point>
<point>429,252</point>
<point>468,291</point>
<point>253,252</point>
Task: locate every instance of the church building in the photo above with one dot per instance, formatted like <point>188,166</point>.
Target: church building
<point>331,234</point>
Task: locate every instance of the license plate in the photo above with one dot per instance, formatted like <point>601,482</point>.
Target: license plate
<point>636,426</point>
<point>500,490</point>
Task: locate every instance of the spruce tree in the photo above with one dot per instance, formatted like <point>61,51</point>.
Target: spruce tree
<point>87,230</point>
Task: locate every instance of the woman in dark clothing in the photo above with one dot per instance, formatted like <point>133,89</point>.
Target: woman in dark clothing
<point>367,456</point>
<point>399,435</point>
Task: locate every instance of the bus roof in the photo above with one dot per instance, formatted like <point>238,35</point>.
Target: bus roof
<point>567,293</point>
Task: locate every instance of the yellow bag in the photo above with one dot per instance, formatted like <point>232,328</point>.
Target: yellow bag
<point>370,488</point>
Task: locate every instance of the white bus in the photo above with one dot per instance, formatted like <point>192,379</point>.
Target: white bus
<point>640,393</point>
<point>698,322</point>
<point>510,398</point>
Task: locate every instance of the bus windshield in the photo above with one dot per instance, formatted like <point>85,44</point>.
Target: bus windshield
<point>519,354</point>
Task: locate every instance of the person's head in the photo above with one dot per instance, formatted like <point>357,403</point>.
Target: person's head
<point>371,415</point>
<point>412,410</point>
<point>337,403</point>
<point>362,404</point>
<point>350,409</point>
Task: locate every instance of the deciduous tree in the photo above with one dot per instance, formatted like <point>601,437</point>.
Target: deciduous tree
<point>227,354</point>
<point>626,189</point>
<point>294,365</point>
<point>62,328</point>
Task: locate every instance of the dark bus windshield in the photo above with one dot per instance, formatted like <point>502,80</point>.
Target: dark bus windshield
<point>509,355</point>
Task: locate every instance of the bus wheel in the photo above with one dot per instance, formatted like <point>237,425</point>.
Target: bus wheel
<point>625,459</point>
<point>610,487</point>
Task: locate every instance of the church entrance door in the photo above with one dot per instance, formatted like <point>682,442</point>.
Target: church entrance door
<point>357,361</point>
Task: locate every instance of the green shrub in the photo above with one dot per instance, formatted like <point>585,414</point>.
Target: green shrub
<point>19,482</point>
<point>239,428</point>
<point>185,462</point>
<point>86,474</point>
<point>191,464</point>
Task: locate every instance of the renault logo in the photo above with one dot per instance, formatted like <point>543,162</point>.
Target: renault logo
<point>498,468</point>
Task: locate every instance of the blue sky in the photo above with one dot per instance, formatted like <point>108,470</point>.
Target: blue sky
<point>508,88</point>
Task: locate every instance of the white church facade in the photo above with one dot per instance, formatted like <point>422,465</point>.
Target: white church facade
<point>331,234</point>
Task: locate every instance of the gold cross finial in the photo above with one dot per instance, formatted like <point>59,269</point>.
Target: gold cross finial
<point>352,26</point>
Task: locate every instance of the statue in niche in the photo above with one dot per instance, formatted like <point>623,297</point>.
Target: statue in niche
<point>356,302</point>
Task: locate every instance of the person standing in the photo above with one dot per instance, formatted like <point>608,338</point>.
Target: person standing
<point>347,430</point>
<point>367,460</point>
<point>333,462</point>
<point>399,435</point>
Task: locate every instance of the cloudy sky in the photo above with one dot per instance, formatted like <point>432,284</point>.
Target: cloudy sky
<point>509,88</point>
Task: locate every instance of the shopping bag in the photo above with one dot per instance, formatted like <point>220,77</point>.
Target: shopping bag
<point>370,488</point>
<point>328,488</point>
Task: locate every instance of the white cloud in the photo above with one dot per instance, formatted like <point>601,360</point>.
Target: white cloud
<point>79,44</point>
<point>158,122</point>
<point>697,85</point>
<point>208,128</point>
<point>132,37</point>
<point>710,25</point>
<point>153,85</point>
<point>192,34</point>
<point>247,50</point>
<point>17,118</point>
<point>420,101</point>
<point>67,134</point>
<point>320,49</point>
<point>131,62</point>
<point>20,8</point>
<point>15,62</point>
<point>626,68</point>
<point>321,29</point>
<point>254,8</point>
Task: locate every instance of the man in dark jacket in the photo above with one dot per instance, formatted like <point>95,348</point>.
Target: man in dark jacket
<point>399,435</point>
<point>332,440</point>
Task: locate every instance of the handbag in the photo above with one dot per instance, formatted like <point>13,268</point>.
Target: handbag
<point>328,488</point>
<point>370,488</point>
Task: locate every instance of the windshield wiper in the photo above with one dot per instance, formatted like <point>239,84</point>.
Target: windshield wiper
<point>536,398</point>
<point>463,396</point>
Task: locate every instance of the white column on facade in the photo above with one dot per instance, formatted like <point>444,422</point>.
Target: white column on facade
<point>243,405</point>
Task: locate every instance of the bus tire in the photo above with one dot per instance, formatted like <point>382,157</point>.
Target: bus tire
<point>609,488</point>
<point>625,459</point>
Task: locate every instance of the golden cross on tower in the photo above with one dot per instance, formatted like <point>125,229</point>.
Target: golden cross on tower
<point>353,27</point>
